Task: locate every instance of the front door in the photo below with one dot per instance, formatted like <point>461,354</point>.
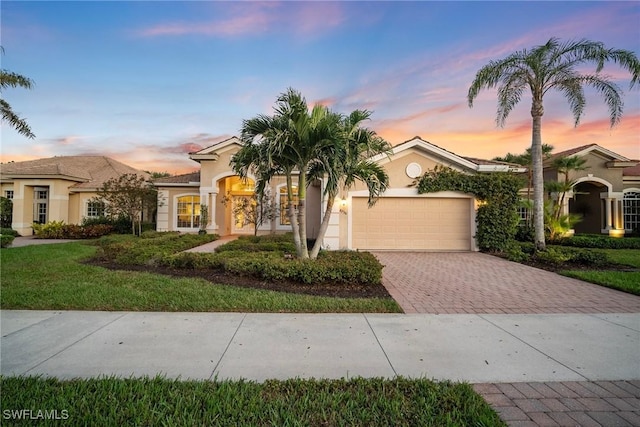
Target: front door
<point>243,213</point>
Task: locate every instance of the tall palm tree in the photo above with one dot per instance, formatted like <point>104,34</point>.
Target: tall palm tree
<point>10,79</point>
<point>351,163</point>
<point>553,65</point>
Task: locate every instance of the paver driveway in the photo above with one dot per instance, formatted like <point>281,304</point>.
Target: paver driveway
<point>469,282</point>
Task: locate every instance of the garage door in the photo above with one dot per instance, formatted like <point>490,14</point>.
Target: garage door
<point>405,223</point>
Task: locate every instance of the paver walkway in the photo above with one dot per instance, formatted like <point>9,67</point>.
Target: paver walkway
<point>469,282</point>
<point>570,403</point>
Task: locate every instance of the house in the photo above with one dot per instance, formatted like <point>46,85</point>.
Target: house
<point>57,188</point>
<point>402,219</point>
<point>606,194</point>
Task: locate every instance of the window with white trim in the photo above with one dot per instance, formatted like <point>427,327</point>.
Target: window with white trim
<point>8,194</point>
<point>284,218</point>
<point>188,212</point>
<point>631,210</point>
<point>95,209</point>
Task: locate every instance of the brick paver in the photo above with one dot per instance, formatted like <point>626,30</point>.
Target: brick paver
<point>467,282</point>
<point>456,283</point>
<point>601,403</point>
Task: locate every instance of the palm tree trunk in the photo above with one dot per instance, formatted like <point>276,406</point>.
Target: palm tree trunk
<point>302,214</point>
<point>323,227</point>
<point>292,216</point>
<point>538,178</point>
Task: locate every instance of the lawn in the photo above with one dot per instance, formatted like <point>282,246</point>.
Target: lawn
<point>52,277</point>
<point>158,401</point>
<point>628,281</point>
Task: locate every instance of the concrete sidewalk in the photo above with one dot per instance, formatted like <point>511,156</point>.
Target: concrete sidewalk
<point>478,348</point>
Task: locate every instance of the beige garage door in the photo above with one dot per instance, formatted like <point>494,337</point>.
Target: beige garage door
<point>405,223</point>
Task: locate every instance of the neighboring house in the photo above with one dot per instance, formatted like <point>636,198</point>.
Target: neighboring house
<point>57,188</point>
<point>401,219</point>
<point>606,194</point>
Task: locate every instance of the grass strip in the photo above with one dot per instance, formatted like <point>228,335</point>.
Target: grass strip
<point>296,402</point>
<point>52,277</point>
<point>627,281</point>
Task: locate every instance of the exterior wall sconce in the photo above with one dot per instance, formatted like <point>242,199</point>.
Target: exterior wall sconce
<point>343,206</point>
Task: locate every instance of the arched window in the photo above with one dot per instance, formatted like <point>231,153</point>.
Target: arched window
<point>188,212</point>
<point>631,209</point>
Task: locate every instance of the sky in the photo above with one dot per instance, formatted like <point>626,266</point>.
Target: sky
<point>147,82</point>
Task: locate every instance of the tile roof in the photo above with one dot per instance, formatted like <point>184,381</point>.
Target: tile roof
<point>89,171</point>
<point>490,162</point>
<point>179,179</point>
<point>571,152</point>
<point>633,170</point>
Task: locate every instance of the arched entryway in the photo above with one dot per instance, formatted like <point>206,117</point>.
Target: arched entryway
<point>587,203</point>
<point>233,193</point>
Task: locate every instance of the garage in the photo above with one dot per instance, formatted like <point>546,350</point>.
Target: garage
<point>412,223</point>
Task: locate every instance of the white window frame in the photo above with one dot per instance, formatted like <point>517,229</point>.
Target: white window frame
<point>631,220</point>
<point>279,224</point>
<point>8,194</point>
<point>193,215</point>
<point>90,205</point>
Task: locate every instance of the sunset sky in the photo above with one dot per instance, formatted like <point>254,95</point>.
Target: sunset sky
<point>147,82</point>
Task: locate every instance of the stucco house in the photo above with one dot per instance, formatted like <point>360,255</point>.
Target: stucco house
<point>401,219</point>
<point>606,193</point>
<point>57,188</point>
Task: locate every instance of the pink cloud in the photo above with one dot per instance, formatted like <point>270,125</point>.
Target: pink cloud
<point>258,17</point>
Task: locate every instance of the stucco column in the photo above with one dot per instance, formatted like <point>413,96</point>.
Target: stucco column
<point>608,216</point>
<point>211,200</point>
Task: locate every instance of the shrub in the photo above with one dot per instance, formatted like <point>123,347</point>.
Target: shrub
<point>515,253</point>
<point>6,240</point>
<point>9,232</point>
<point>6,212</point>
<point>50,230</point>
<point>271,243</point>
<point>131,250</point>
<point>600,242</point>
<point>552,256</point>
<point>192,261</point>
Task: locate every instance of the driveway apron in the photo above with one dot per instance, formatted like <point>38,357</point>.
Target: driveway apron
<point>477,283</point>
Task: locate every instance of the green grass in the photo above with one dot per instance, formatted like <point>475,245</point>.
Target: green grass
<point>628,281</point>
<point>158,401</point>
<point>51,277</point>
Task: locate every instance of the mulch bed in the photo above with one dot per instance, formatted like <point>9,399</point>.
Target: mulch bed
<point>335,290</point>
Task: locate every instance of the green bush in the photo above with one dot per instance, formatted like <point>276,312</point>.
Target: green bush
<point>6,240</point>
<point>50,230</point>
<point>6,212</point>
<point>600,242</point>
<point>60,230</point>
<point>131,250</point>
<point>552,256</point>
<point>515,253</point>
<point>9,232</point>
<point>270,243</point>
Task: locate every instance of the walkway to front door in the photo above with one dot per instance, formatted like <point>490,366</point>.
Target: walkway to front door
<point>470,282</point>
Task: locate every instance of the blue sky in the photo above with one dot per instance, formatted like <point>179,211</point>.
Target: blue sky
<point>146,82</point>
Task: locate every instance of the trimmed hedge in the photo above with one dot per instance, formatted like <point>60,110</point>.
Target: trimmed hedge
<point>6,240</point>
<point>270,243</point>
<point>338,267</point>
<point>259,257</point>
<point>131,250</point>
<point>521,251</point>
<point>600,242</point>
<point>60,230</point>
<point>9,232</point>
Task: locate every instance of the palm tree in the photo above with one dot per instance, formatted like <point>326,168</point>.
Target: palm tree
<point>291,141</point>
<point>10,79</point>
<point>352,163</point>
<point>564,165</point>
<point>553,65</point>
